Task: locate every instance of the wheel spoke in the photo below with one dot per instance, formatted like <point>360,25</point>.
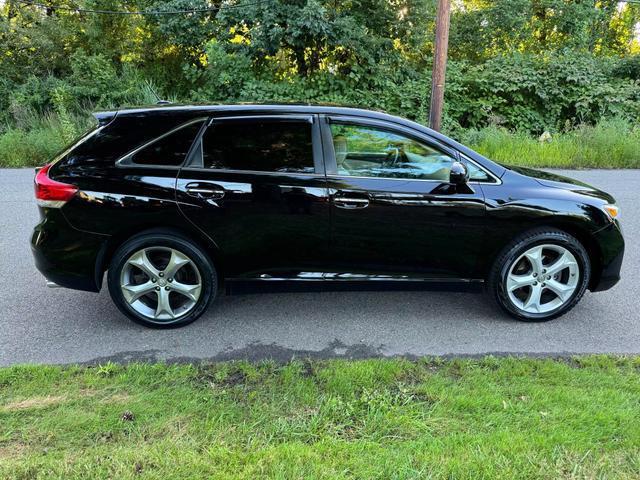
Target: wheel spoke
<point>562,291</point>
<point>566,260</point>
<point>141,260</point>
<point>533,302</point>
<point>134,292</point>
<point>535,259</point>
<point>176,262</point>
<point>515,282</point>
<point>190,291</point>
<point>164,307</point>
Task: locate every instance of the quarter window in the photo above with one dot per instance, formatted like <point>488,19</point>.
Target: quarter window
<point>264,145</point>
<point>374,152</point>
<point>169,150</point>
<point>475,172</point>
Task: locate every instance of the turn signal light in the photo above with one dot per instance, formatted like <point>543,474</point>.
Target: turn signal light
<point>612,210</point>
<point>50,193</point>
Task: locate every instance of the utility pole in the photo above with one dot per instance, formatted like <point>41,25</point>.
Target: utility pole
<point>439,63</point>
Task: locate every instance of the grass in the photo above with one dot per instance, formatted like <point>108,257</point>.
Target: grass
<point>389,419</point>
<point>610,144</point>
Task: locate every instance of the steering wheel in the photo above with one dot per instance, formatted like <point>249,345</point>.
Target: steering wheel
<point>393,154</point>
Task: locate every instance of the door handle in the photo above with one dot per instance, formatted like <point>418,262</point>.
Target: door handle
<point>350,203</point>
<point>202,190</point>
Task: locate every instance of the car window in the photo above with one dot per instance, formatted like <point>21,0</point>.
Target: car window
<point>260,145</point>
<point>366,151</point>
<point>169,150</point>
<point>475,172</point>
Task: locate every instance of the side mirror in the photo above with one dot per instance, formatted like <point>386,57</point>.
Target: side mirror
<point>459,174</point>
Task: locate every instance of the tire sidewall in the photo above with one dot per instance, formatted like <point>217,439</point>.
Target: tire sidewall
<point>547,237</point>
<point>201,260</point>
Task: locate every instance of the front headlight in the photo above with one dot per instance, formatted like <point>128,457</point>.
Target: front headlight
<point>612,210</point>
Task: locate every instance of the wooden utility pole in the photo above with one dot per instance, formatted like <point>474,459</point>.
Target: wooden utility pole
<point>439,63</point>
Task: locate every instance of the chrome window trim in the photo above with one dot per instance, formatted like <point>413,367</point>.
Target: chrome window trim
<point>253,172</point>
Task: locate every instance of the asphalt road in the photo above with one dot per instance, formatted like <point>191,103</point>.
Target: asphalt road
<point>42,325</point>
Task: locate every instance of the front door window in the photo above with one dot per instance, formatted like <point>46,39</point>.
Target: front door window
<point>365,151</point>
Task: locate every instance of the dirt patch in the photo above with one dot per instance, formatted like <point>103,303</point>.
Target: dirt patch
<point>116,398</point>
<point>15,450</point>
<point>33,402</point>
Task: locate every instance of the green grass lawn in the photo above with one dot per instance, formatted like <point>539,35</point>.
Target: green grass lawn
<point>492,418</point>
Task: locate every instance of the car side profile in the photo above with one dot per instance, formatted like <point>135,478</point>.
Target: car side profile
<point>177,203</point>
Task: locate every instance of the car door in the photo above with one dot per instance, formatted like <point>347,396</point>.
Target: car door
<point>256,186</point>
<point>393,211</point>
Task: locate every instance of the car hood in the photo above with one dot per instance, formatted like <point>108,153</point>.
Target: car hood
<point>554,180</point>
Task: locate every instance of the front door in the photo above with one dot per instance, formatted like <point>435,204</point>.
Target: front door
<point>393,211</point>
<point>256,186</point>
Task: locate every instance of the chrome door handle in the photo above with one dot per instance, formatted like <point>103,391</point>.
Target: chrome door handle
<point>350,203</point>
<point>203,192</point>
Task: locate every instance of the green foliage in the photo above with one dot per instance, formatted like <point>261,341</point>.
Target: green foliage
<point>524,65</point>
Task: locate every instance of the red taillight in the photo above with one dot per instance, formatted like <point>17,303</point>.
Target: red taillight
<point>50,193</point>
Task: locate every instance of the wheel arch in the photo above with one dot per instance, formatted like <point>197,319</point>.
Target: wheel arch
<point>577,230</point>
<point>585,237</point>
<point>122,236</point>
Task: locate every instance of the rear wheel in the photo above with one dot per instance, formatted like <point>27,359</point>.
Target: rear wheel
<point>161,280</point>
<point>540,275</point>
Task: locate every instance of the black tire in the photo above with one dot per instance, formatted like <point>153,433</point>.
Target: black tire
<point>496,282</point>
<point>204,265</point>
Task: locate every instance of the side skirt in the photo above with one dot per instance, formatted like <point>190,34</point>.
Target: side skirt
<point>342,283</point>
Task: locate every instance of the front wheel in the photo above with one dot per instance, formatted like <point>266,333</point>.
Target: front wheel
<point>540,275</point>
<point>161,280</point>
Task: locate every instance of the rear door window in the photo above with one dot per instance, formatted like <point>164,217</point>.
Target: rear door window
<point>262,145</point>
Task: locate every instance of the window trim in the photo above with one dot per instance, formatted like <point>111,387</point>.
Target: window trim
<point>331,167</point>
<point>127,159</point>
<point>196,163</point>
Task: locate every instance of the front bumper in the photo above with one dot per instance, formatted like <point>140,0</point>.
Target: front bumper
<point>611,243</point>
<point>66,256</point>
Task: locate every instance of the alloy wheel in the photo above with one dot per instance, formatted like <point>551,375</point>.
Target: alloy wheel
<point>160,283</point>
<point>542,279</point>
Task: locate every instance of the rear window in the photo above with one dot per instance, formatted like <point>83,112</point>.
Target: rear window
<point>260,145</point>
<point>170,149</point>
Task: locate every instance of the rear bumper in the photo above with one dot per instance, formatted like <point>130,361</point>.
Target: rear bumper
<point>66,256</point>
<point>611,244</point>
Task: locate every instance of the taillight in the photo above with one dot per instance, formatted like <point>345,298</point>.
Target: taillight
<point>50,193</point>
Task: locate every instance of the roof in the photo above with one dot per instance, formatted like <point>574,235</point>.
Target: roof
<point>295,108</point>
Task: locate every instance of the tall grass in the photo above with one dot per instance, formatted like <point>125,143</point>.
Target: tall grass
<point>43,138</point>
<point>610,144</point>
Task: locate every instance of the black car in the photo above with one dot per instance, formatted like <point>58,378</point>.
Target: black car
<point>175,202</point>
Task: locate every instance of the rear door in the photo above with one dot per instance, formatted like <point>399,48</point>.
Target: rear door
<point>393,210</point>
<point>256,186</point>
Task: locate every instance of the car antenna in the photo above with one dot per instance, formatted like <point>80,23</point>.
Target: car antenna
<point>159,101</point>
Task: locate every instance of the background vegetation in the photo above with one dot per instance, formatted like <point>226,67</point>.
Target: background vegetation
<point>524,66</point>
<point>390,419</point>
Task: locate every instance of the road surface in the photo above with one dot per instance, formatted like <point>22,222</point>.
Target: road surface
<point>41,325</point>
